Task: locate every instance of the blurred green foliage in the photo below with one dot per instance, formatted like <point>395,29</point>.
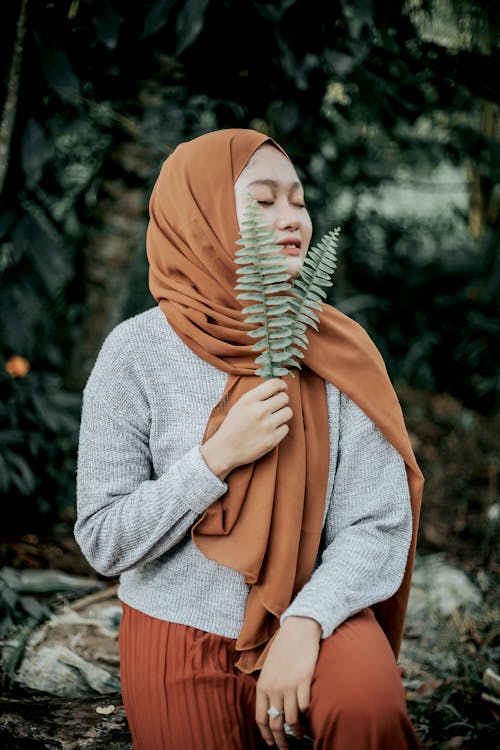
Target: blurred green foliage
<point>365,97</point>
<point>39,421</point>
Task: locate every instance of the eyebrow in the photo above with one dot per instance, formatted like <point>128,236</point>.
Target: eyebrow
<point>274,184</point>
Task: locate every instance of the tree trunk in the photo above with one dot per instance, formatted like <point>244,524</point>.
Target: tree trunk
<point>9,110</point>
<point>484,209</point>
<point>121,218</point>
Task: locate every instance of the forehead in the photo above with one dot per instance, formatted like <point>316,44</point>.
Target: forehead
<point>268,162</point>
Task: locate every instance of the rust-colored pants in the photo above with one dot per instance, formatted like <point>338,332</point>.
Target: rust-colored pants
<point>181,690</point>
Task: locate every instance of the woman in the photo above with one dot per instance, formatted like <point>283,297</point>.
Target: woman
<point>263,531</point>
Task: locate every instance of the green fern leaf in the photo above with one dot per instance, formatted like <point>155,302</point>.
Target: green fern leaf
<point>263,279</point>
<point>309,288</point>
<point>283,312</point>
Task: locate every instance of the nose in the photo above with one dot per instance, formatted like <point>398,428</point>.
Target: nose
<point>287,217</point>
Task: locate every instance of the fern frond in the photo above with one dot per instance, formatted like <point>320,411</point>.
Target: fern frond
<point>263,279</point>
<point>310,285</point>
<point>282,312</point>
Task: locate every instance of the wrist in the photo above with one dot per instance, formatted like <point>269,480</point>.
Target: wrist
<point>304,624</point>
<point>216,458</point>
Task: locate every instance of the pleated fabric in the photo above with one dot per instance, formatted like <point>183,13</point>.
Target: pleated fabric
<point>182,691</point>
<point>358,701</point>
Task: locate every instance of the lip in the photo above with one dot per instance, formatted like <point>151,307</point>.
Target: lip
<point>291,241</point>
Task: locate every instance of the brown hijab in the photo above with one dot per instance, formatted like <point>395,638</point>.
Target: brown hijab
<point>268,524</point>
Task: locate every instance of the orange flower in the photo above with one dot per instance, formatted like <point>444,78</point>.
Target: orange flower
<point>17,367</point>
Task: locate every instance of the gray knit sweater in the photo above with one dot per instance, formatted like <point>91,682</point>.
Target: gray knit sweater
<point>142,483</point>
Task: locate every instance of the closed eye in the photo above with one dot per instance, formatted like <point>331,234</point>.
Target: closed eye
<point>270,203</point>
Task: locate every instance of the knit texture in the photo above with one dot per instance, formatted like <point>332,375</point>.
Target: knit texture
<point>142,483</point>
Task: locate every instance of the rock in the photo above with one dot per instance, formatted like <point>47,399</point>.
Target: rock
<point>440,589</point>
<point>46,581</point>
<point>75,653</point>
<point>430,647</point>
<point>57,670</point>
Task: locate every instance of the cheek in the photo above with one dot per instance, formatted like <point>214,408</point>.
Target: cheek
<point>308,232</point>
<point>240,208</point>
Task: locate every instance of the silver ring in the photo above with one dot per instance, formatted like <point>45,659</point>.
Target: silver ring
<point>274,712</point>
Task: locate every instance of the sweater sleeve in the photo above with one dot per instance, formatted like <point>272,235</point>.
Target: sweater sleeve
<point>126,516</point>
<point>367,529</point>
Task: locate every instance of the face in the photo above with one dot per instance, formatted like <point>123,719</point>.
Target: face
<point>272,181</point>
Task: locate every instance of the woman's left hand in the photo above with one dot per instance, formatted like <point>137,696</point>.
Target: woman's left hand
<point>285,679</point>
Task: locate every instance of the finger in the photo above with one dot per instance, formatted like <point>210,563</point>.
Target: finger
<point>273,407</point>
<point>269,388</point>
<point>304,696</point>
<point>275,402</point>
<point>280,433</point>
<point>276,725</point>
<point>261,717</point>
<point>292,714</point>
<point>280,417</point>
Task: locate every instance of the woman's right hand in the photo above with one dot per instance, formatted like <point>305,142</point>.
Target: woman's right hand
<point>254,425</point>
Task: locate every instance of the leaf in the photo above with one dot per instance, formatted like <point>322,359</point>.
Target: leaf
<point>48,417</point>
<point>11,436</point>
<point>280,372</point>
<point>190,22</point>
<point>47,581</point>
<point>107,22</point>
<point>257,333</point>
<point>157,17</point>
<point>250,279</point>
<point>307,318</point>
<point>6,624</point>
<point>259,346</point>
<point>50,261</point>
<point>277,310</point>
<point>317,305</point>
<point>260,318</point>
<point>34,608</point>
<point>250,295</point>
<point>273,278</point>
<point>279,334</point>
<point>35,151</point>
<point>309,322</point>
<point>23,478</point>
<point>9,598</point>
<point>284,310</point>
<point>281,356</point>
<point>312,279</point>
<point>276,346</point>
<point>59,72</point>
<point>263,359</point>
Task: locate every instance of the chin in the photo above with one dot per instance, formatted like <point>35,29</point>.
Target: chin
<point>293,266</point>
